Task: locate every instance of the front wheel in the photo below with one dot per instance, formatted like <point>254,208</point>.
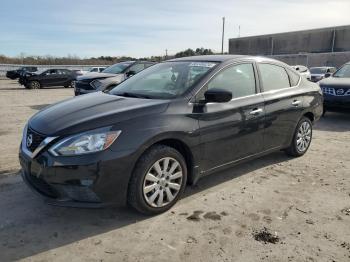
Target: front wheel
<point>302,138</point>
<point>158,180</point>
<point>34,85</point>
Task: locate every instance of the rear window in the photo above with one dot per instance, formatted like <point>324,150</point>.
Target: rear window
<point>273,77</point>
<point>293,77</point>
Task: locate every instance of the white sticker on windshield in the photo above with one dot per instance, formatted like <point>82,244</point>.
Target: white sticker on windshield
<point>203,64</point>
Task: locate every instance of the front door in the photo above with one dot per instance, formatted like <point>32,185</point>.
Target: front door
<point>233,130</point>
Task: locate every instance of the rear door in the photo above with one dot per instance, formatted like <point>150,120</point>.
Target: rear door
<point>283,103</point>
<point>233,130</point>
<point>66,76</point>
<point>52,77</point>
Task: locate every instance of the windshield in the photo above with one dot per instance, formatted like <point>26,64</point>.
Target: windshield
<point>318,70</point>
<point>163,81</point>
<point>117,68</point>
<point>344,71</point>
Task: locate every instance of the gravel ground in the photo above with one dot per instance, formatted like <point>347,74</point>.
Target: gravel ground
<point>272,209</point>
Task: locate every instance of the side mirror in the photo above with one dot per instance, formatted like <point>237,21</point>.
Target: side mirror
<point>130,73</point>
<point>217,95</point>
<point>327,75</point>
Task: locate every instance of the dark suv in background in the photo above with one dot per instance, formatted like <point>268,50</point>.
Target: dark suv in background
<point>14,74</point>
<point>109,77</point>
<point>336,89</point>
<point>167,126</point>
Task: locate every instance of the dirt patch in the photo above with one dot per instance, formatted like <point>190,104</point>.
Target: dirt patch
<point>2,133</point>
<point>39,107</point>
<point>195,216</point>
<point>254,217</point>
<point>265,236</point>
<point>212,216</point>
<point>346,211</point>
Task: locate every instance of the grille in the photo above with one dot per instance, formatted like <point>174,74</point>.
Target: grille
<point>41,186</point>
<point>84,84</point>
<point>336,91</point>
<point>36,139</point>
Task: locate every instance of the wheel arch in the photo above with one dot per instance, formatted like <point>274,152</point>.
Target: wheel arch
<point>182,147</point>
<point>310,116</point>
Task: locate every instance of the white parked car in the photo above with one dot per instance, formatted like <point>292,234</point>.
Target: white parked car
<point>97,69</point>
<point>94,69</point>
<point>303,70</point>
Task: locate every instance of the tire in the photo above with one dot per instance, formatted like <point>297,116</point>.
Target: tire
<point>301,139</point>
<point>34,85</point>
<point>147,185</point>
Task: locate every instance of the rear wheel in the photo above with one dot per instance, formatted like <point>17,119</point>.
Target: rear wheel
<point>302,138</point>
<point>158,180</point>
<point>34,85</point>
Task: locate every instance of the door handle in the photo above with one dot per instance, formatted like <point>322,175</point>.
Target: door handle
<point>256,111</point>
<point>296,102</point>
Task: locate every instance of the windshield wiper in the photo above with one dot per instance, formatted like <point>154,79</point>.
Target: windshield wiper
<point>128,94</point>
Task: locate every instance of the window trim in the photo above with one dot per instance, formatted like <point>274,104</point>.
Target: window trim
<point>194,99</point>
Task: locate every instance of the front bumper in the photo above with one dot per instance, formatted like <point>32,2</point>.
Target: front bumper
<point>91,181</point>
<point>79,91</point>
<point>82,87</point>
<point>337,101</point>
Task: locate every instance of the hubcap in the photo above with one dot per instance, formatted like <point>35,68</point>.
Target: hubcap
<point>304,136</point>
<point>162,182</point>
<point>35,85</point>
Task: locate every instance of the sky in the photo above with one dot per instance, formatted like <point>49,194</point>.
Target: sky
<point>138,28</point>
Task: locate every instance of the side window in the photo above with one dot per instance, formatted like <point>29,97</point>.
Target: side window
<point>273,77</point>
<point>148,65</point>
<point>50,72</point>
<point>293,77</point>
<point>94,69</point>
<point>137,68</point>
<point>239,80</point>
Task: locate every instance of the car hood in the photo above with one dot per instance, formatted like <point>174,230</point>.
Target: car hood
<point>91,111</point>
<point>94,75</point>
<point>335,82</point>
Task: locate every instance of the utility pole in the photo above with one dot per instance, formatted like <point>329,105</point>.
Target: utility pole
<point>166,53</point>
<point>239,31</point>
<point>223,34</point>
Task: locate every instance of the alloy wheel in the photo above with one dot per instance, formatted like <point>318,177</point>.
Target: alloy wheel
<point>303,137</point>
<point>162,182</point>
<point>35,85</point>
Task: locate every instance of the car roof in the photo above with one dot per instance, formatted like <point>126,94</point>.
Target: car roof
<point>212,58</point>
<point>224,58</point>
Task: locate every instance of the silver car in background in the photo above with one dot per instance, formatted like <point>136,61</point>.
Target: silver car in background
<point>318,73</point>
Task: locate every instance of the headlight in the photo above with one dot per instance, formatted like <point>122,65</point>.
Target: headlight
<point>84,143</point>
<point>96,84</point>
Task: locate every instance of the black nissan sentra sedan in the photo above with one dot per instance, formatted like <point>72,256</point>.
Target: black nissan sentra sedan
<point>171,124</point>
